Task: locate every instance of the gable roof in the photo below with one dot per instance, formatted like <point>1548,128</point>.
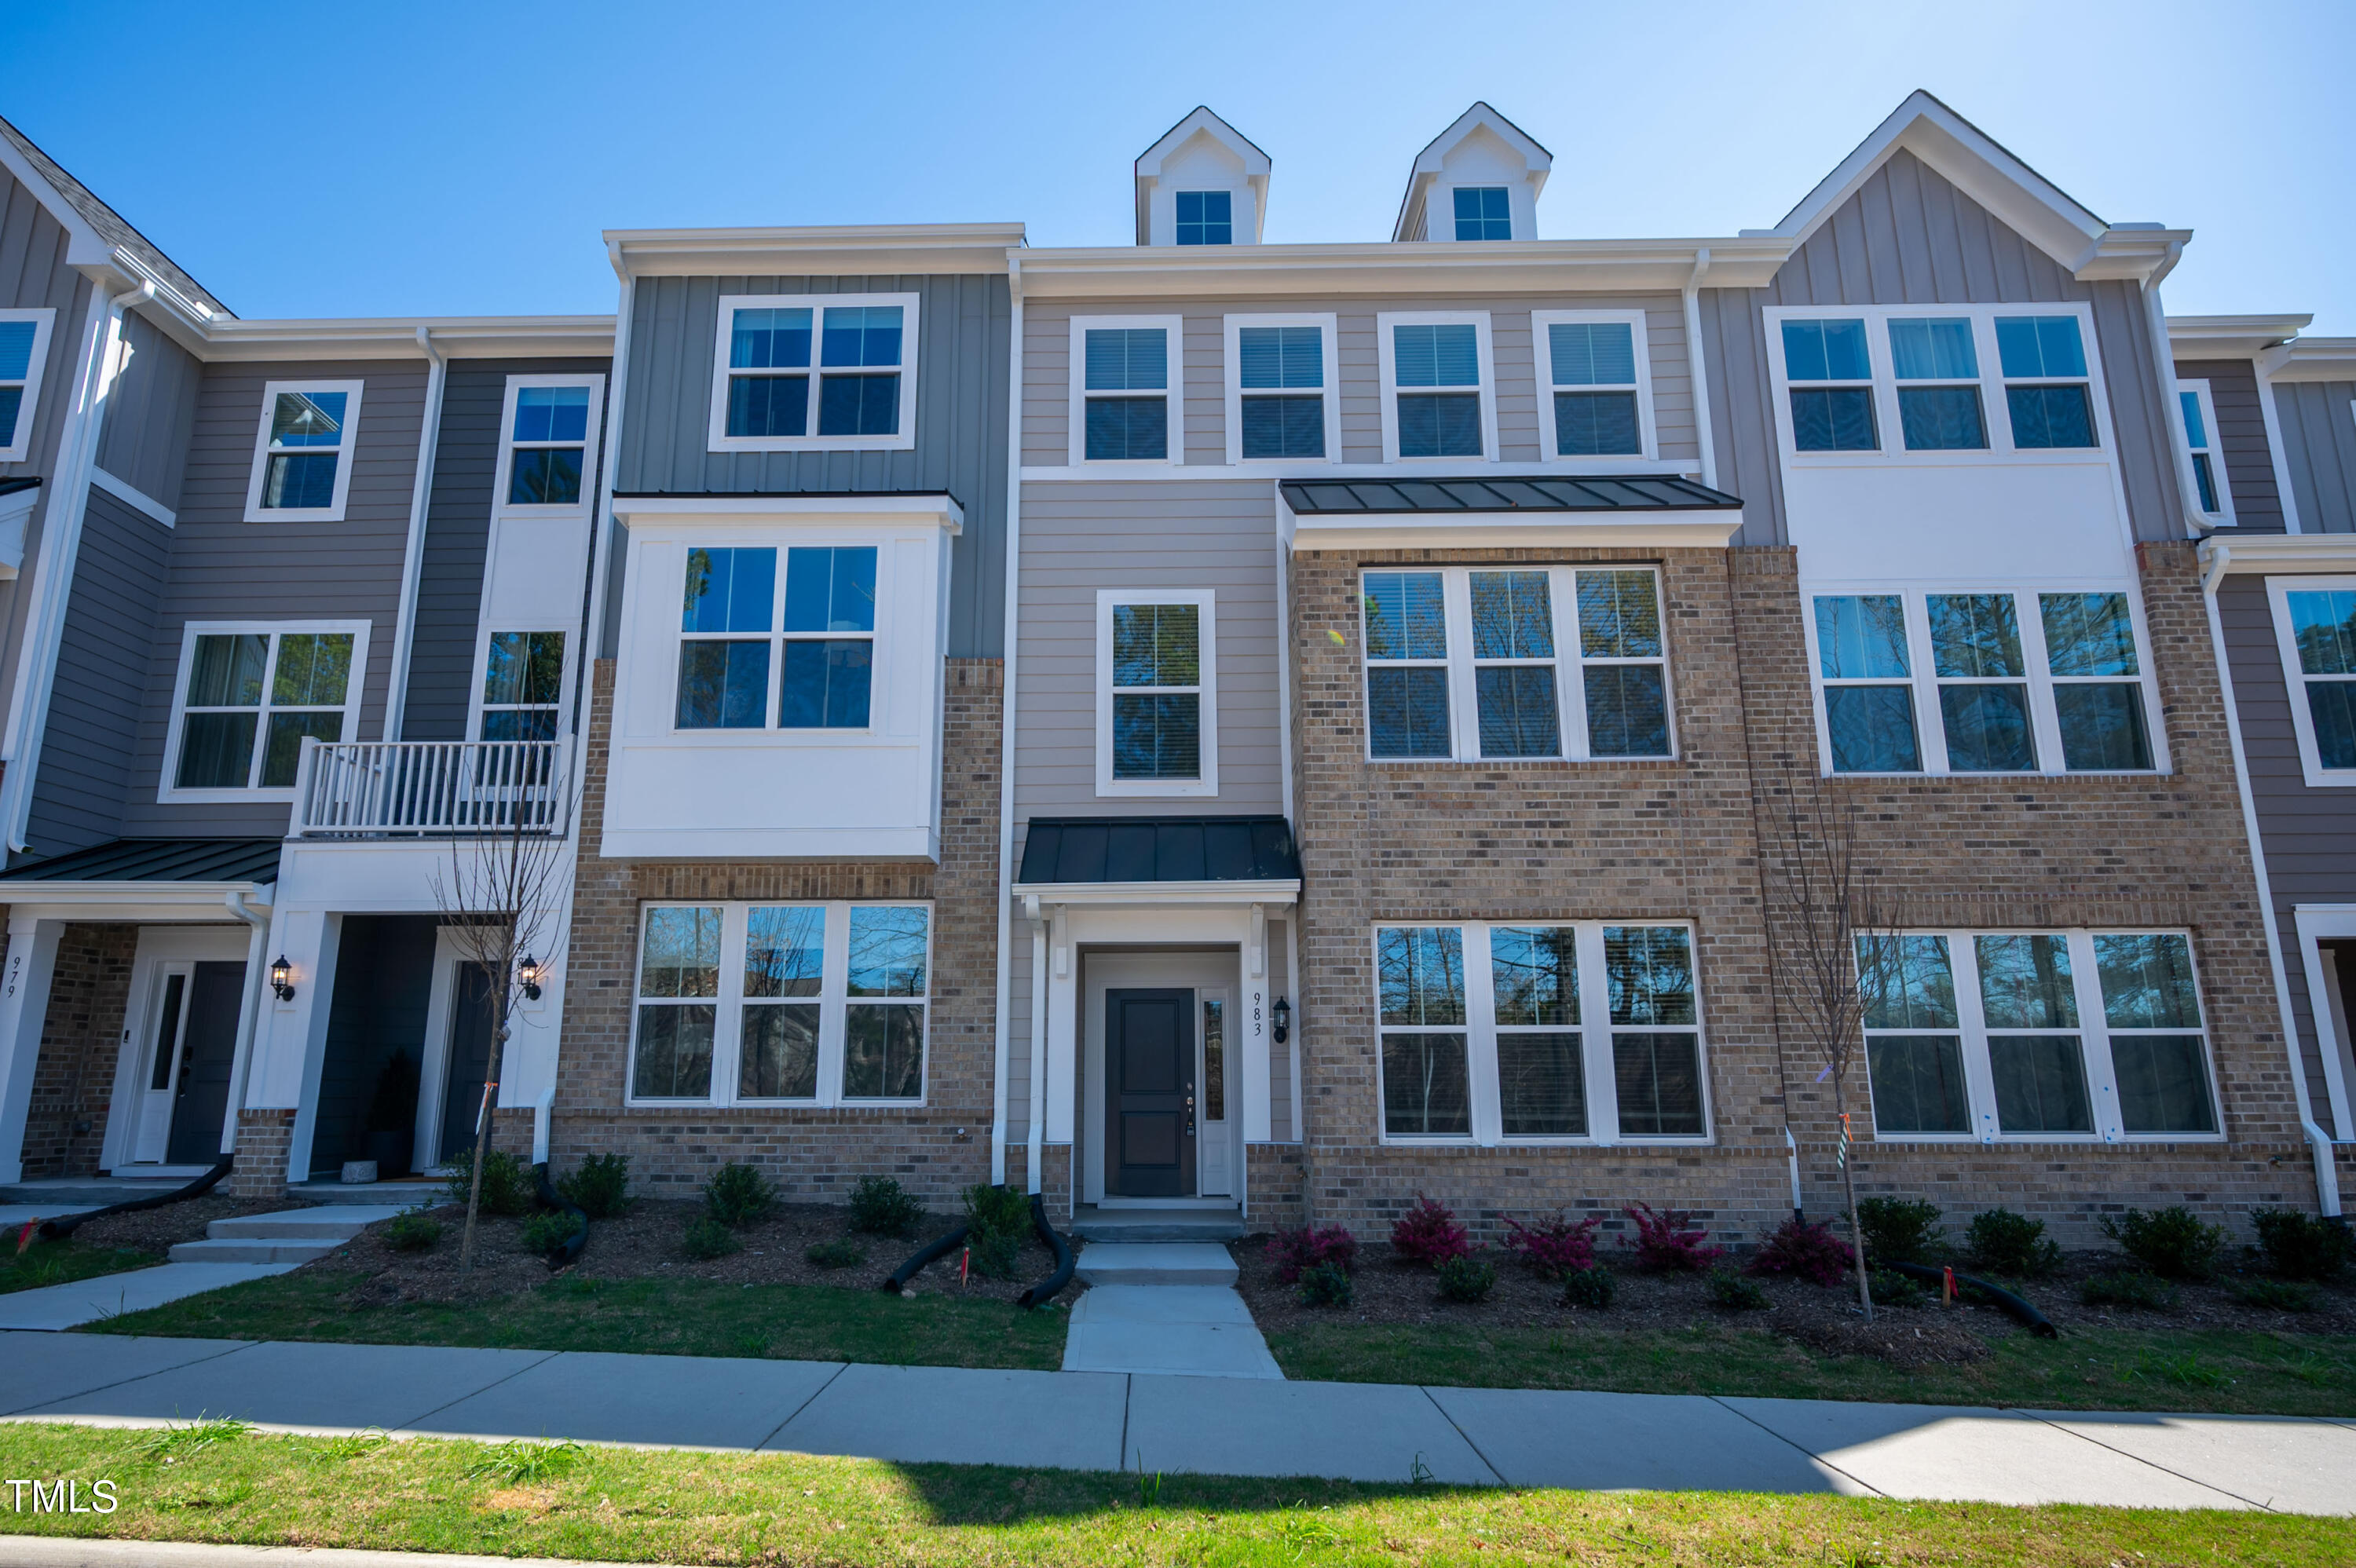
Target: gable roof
<point>1479,117</point>
<point>1201,121</point>
<point>77,206</point>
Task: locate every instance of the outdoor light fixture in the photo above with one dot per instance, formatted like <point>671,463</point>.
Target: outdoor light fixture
<point>282,978</point>
<point>1282,1015</point>
<point>528,971</point>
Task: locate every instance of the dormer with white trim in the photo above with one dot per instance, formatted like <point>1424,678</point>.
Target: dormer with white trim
<point>1495,166</point>
<point>1202,184</point>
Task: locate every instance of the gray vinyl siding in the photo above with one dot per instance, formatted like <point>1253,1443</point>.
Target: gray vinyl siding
<point>457,535</point>
<point>2319,435</point>
<point>1083,536</point>
<point>87,750</point>
<point>1910,236</point>
<point>2308,835</point>
<point>150,413</point>
<point>964,335</point>
<point>1048,368</point>
<point>2240,440</point>
<point>226,568</point>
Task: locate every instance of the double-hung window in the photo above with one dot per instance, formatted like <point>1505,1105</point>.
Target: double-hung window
<point>2034,1035</point>
<point>1991,379</point>
<point>1938,375</point>
<point>1829,370</point>
<point>808,1003</point>
<point>2200,411</point>
<point>250,694</point>
<point>523,686</point>
<point>552,422</point>
<point>1206,217</point>
<point>2046,387</point>
<point>302,453</point>
<point>24,355</point>
<point>2315,627</point>
<point>824,372</point>
<point>1437,381</point>
<point>1157,710</point>
<point>1473,664</point>
<point>735,630</point>
<point>1978,682</point>
<point>1280,388</point>
<point>1538,1031</point>
<point>1124,409</point>
<point>1596,384</point>
<point>1484,212</point>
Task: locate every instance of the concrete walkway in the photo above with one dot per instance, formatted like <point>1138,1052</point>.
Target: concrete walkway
<point>52,1308</point>
<point>1102,1421</point>
<point>1164,1308</point>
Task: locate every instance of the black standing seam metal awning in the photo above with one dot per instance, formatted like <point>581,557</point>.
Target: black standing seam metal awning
<point>158,860</point>
<point>1553,493</point>
<point>1071,850</point>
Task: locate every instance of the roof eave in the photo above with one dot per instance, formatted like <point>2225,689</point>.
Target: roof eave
<point>1388,266</point>
<point>844,251</point>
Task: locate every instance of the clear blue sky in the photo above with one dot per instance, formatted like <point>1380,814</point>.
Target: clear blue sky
<point>431,158</point>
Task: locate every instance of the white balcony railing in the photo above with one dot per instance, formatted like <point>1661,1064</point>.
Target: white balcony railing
<point>368,789</point>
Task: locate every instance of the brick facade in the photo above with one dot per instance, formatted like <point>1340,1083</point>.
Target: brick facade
<point>815,1155</point>
<point>1682,840</point>
<point>264,1141</point>
<point>82,1037</point>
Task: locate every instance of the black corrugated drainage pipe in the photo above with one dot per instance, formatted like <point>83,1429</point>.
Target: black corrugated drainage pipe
<point>59,1229</point>
<point>571,1251</point>
<point>923,1260</point>
<point>2014,1306</point>
<point>1047,1289</point>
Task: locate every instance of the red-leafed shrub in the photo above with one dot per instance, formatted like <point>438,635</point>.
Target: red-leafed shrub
<point>1294,1252</point>
<point>1555,1247</point>
<point>1665,1245</point>
<point>1429,1235</point>
<point>1811,1252</point>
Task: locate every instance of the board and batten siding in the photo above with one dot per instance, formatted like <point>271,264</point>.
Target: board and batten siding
<point>964,335</point>
<point>2317,420</point>
<point>2241,438</point>
<point>2308,835</point>
<point>226,568</point>
<point>457,535</point>
<point>1909,237</point>
<point>1048,368</point>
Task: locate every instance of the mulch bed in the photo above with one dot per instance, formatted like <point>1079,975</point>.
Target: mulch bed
<point>159,1230</point>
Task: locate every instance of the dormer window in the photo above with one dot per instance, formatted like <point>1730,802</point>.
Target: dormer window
<point>1206,218</point>
<point>1483,212</point>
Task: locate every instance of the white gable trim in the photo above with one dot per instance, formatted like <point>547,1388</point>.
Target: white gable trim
<point>1150,165</point>
<point>1426,168</point>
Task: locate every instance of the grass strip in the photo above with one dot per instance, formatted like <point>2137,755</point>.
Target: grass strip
<point>219,1482</point>
<point>62,1263</point>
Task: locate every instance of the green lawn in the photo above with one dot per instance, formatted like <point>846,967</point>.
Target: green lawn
<point>2281,1374</point>
<point>659,1317</point>
<point>219,1484</point>
<point>62,1263</point>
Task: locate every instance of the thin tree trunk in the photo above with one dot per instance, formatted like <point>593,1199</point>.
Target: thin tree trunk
<point>1848,1190</point>
<point>483,1127</point>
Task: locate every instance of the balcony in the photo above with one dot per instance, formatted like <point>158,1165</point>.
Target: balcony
<point>429,789</point>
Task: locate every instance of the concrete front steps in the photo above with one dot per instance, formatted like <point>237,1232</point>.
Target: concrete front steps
<point>1166,1307</point>
<point>1205,1222</point>
<point>293,1236</point>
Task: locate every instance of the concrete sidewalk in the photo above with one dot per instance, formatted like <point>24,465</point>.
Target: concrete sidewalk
<point>1108,1421</point>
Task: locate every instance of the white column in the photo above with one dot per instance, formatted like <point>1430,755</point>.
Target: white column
<point>1063,1028</point>
<point>1257,1120</point>
<point>286,1073</point>
<point>24,1006</point>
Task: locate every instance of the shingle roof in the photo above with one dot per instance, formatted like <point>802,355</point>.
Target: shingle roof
<point>1160,850</point>
<point>110,225</point>
<point>1564,492</point>
<point>158,860</point>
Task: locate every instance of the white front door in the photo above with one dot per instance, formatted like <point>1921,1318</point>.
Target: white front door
<point>155,1034</point>
<point>167,1028</point>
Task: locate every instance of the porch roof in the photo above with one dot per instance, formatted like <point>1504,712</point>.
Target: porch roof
<point>1564,492</point>
<point>158,860</point>
<point>1065,851</point>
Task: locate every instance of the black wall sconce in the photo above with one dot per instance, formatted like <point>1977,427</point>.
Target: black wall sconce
<point>528,972</point>
<point>1281,1016</point>
<point>282,978</point>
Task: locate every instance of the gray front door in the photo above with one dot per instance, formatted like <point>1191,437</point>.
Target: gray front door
<point>1149,1093</point>
<point>470,1059</point>
<point>208,1052</point>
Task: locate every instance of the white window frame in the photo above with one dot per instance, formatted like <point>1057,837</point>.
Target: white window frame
<point>1174,440</point>
<point>1594,1029</point>
<point>347,455</point>
<point>769,731</point>
<point>1328,326</point>
<point>19,447</point>
<point>2214,452</point>
<point>834,998</point>
<point>1388,348</point>
<point>1995,411</point>
<point>1647,435</point>
<point>719,440</point>
<point>167,792</point>
<point>2302,718</point>
<point>504,480</point>
<point>1206,602</point>
<point>1923,681</point>
<point>477,706</point>
<point>1570,663</point>
<point>2093,1032</point>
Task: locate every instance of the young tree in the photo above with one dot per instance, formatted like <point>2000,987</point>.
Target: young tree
<point>1841,958</point>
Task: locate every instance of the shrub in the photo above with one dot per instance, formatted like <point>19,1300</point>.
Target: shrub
<point>996,1220</point>
<point>2301,1246</point>
<point>1892,1288</point>
<point>1662,1243</point>
<point>507,1181</point>
<point>2173,1243</point>
<point>2137,1290</point>
<point>1555,1247</point>
<point>1811,1252</point>
<point>739,1195</point>
<point>2279,1295</point>
<point>1429,1235</point>
<point>1326,1284</point>
<point>2013,1245</point>
<point>1592,1287</point>
<point>1898,1230</point>
<point>882,1207</point>
<point>601,1188</point>
<point>708,1238</point>
<point>1466,1279</point>
<point>1295,1252</point>
<point>545,1234</point>
<point>1736,1294</point>
<point>840,1253</point>
<point>412,1233</point>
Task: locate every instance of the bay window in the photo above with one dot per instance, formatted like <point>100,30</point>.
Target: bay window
<point>820,639</point>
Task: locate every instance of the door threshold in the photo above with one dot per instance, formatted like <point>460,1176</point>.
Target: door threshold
<point>158,1172</point>
<point>1205,1205</point>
